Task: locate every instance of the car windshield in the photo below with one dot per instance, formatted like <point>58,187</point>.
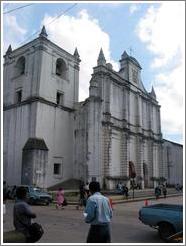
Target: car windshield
<point>37,189</point>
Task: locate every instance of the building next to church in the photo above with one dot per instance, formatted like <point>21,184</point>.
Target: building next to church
<point>112,136</point>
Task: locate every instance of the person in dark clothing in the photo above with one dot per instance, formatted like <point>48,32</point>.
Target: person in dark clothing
<point>164,190</point>
<point>125,191</point>
<point>86,189</point>
<point>119,188</point>
<point>157,192</point>
<point>98,213</point>
<point>82,196</point>
<point>22,213</point>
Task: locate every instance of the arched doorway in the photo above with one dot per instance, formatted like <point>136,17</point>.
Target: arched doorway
<point>145,175</point>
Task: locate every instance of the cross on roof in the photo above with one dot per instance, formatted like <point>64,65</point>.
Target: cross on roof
<point>130,50</point>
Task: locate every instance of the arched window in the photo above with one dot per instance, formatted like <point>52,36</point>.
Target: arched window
<point>20,66</point>
<point>61,68</point>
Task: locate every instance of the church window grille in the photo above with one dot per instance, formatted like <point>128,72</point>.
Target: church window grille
<point>18,98</point>
<point>20,66</point>
<point>61,68</point>
<point>59,98</point>
<point>57,169</point>
<point>134,76</point>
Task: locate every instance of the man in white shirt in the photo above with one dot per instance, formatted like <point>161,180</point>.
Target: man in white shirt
<point>98,213</point>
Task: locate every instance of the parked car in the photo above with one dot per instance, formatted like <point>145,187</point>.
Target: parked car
<point>36,195</point>
<point>167,218</point>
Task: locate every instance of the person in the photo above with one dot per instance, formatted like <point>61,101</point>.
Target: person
<point>82,196</point>
<point>60,198</point>
<point>178,187</point>
<point>86,189</point>
<point>22,213</point>
<point>98,214</point>
<point>157,192</point>
<point>125,191</point>
<point>119,188</point>
<point>164,190</point>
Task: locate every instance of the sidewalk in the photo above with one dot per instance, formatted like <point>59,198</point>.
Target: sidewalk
<point>135,199</point>
<point>139,195</point>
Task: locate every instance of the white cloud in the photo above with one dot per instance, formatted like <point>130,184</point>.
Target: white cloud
<point>133,8</point>
<point>163,31</point>
<point>13,32</point>
<point>84,33</point>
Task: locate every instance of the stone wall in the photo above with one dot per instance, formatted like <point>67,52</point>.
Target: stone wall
<point>173,162</point>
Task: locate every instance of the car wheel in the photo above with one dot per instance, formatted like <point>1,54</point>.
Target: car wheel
<point>166,230</point>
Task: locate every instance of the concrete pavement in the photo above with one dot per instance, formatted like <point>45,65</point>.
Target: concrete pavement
<point>68,226</point>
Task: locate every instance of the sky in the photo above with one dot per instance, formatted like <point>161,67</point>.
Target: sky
<point>152,32</point>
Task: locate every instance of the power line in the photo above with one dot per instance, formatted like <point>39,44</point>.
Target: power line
<point>62,13</point>
<point>58,16</point>
<point>17,8</point>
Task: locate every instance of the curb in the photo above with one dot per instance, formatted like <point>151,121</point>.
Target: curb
<point>143,198</point>
<point>135,199</point>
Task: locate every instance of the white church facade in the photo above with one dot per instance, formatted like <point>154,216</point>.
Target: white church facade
<point>49,137</point>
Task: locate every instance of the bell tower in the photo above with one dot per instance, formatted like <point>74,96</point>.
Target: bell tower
<point>41,84</point>
<point>130,69</point>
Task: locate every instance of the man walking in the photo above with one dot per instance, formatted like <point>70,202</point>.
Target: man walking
<point>164,190</point>
<point>98,213</point>
<point>22,214</point>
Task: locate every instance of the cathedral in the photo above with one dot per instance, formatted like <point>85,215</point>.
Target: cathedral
<point>49,137</point>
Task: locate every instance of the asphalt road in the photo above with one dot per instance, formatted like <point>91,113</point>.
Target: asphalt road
<point>68,226</point>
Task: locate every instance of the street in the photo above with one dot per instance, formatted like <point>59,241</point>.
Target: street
<point>68,226</point>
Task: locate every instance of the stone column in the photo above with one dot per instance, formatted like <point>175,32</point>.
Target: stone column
<point>106,98</point>
<point>139,157</point>
<point>150,161</point>
<point>127,157</point>
<point>127,106</point>
<point>124,154</point>
<point>155,162</point>
<point>106,150</point>
<point>140,123</point>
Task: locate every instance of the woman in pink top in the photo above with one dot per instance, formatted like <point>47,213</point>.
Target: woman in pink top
<point>60,198</point>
